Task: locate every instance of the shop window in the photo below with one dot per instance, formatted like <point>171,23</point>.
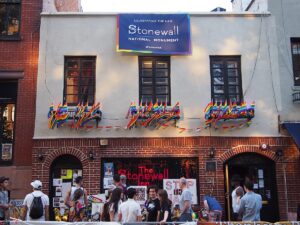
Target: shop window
<point>8,91</point>
<point>10,14</point>
<point>295,42</point>
<point>226,81</point>
<point>79,85</point>
<point>154,73</point>
<point>152,171</point>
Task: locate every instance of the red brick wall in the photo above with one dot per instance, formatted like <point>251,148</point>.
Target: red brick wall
<point>23,55</point>
<point>175,147</point>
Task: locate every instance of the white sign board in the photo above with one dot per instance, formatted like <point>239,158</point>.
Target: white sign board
<point>174,192</point>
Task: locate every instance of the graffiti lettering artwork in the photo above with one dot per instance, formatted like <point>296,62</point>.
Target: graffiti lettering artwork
<point>155,115</point>
<point>78,116</point>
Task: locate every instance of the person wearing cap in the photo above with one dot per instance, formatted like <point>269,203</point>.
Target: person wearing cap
<point>36,186</point>
<point>70,194</point>
<point>4,206</point>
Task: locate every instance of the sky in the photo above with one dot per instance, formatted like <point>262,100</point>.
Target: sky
<point>153,5</point>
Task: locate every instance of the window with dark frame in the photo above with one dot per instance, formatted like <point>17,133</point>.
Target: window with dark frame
<point>10,15</point>
<point>8,98</point>
<point>80,78</point>
<point>226,80</point>
<point>154,73</point>
<point>295,44</point>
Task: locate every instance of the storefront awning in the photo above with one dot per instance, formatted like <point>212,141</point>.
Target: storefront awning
<point>294,131</point>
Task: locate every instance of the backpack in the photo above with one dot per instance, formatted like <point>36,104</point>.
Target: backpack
<point>36,208</point>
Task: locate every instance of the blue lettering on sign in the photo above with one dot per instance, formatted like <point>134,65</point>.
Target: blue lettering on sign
<point>154,33</point>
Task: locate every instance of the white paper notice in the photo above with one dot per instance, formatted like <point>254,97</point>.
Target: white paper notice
<point>65,188</point>
<point>57,182</point>
<point>255,186</point>
<point>261,183</point>
<point>260,173</point>
<point>108,182</point>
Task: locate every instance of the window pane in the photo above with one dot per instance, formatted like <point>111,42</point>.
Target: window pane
<point>73,73</point>
<point>219,98</point>
<point>162,73</point>
<point>232,64</point>
<point>147,90</point>
<point>161,90</point>
<point>72,81</point>
<point>72,90</point>
<point>233,80</point>
<point>295,49</point>
<point>216,64</point>
<point>161,81</point>
<point>162,99</point>
<point>73,64</point>
<point>218,80</point>
<point>72,99</point>
<point>13,20</point>
<point>233,89</point>
<point>146,98</point>
<point>147,72</point>
<point>232,72</point>
<point>86,81</point>
<point>219,89</point>
<point>217,72</point>
<point>161,64</point>
<point>147,64</point>
<point>146,81</point>
<point>234,98</point>
<point>80,81</point>
<point>3,19</point>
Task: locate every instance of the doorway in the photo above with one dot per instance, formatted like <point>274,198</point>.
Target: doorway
<point>261,171</point>
<point>63,171</point>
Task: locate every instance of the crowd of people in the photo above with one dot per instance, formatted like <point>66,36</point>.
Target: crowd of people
<point>121,204</point>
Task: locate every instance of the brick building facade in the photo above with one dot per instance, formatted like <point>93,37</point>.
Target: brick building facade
<point>115,78</point>
<point>18,66</point>
<point>287,166</point>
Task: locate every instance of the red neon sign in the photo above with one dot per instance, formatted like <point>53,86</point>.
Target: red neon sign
<point>145,176</point>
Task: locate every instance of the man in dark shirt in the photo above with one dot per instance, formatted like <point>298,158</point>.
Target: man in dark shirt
<point>152,205</point>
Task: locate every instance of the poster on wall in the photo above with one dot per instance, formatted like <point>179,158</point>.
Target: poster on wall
<point>108,169</point>
<point>108,183</point>
<point>6,151</point>
<point>154,33</point>
<point>141,193</point>
<point>174,192</point>
<point>66,174</point>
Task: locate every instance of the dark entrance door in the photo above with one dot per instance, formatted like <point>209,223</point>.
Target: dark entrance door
<point>63,170</point>
<point>261,171</point>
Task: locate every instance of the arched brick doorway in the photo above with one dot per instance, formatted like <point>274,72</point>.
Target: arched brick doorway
<point>63,170</point>
<point>262,171</point>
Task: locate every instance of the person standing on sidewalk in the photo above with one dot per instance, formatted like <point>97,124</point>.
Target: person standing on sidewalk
<point>152,205</point>
<point>70,194</point>
<point>185,202</point>
<point>130,211</point>
<point>4,206</point>
<point>251,203</point>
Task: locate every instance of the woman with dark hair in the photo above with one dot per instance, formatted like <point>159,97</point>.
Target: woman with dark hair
<point>165,206</point>
<point>77,209</point>
<point>115,202</point>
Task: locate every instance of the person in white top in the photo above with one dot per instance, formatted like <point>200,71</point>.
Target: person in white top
<point>114,204</point>
<point>70,193</point>
<point>236,196</point>
<point>27,204</point>
<point>130,211</point>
